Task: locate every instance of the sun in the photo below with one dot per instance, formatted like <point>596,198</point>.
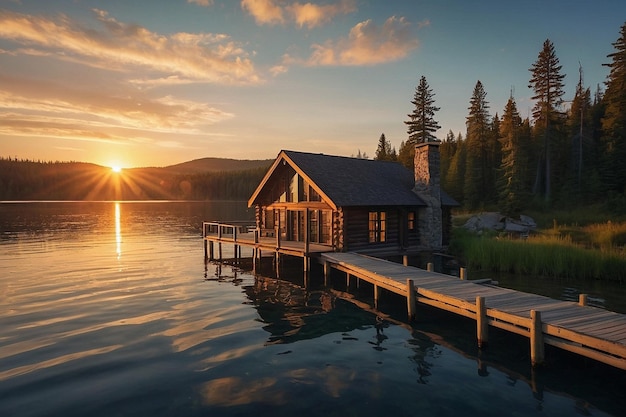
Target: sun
<point>116,169</point>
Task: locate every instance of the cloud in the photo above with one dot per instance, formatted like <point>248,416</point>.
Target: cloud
<point>34,108</point>
<point>367,44</point>
<point>312,15</point>
<point>264,11</point>
<point>199,57</point>
<point>273,12</point>
<point>205,3</point>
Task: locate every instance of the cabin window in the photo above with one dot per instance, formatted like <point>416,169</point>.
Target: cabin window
<point>313,195</point>
<point>377,226</point>
<point>411,221</point>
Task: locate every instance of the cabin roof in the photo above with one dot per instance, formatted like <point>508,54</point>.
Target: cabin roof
<point>348,181</point>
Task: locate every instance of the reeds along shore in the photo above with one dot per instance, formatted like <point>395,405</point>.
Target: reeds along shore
<point>595,254</point>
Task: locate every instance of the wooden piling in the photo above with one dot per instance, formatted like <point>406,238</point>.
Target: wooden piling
<point>326,273</point>
<point>376,295</point>
<point>537,352</point>
<point>582,299</point>
<point>463,273</point>
<point>430,267</point>
<point>482,325</point>
<point>405,260</point>
<point>410,299</point>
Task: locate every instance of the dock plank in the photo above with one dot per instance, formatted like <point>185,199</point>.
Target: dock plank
<point>584,330</point>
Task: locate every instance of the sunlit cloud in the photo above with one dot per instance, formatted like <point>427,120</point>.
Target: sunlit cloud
<point>367,44</point>
<point>265,12</point>
<point>30,108</point>
<point>201,57</point>
<point>205,3</point>
<point>274,12</point>
<point>312,15</point>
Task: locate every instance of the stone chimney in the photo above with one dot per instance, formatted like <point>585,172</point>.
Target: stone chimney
<point>427,186</point>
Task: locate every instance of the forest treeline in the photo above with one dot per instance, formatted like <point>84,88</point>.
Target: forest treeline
<point>569,152</point>
<point>34,180</point>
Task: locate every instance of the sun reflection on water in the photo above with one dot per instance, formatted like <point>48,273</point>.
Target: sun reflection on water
<point>118,231</point>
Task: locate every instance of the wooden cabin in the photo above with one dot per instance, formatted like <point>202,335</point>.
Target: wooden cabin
<point>356,205</point>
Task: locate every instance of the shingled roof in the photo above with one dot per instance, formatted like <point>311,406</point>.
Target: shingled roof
<point>356,182</point>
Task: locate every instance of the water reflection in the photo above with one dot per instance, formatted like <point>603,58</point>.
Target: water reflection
<point>118,231</point>
<point>292,313</point>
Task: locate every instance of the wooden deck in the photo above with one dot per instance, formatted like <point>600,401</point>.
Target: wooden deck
<point>245,234</point>
<point>584,330</point>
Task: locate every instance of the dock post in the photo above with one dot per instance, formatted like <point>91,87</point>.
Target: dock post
<point>219,251</point>
<point>482,326</point>
<point>211,251</point>
<point>537,353</point>
<point>582,299</point>
<point>235,246</point>
<point>376,295</point>
<point>463,273</point>
<point>405,260</point>
<point>277,262</point>
<point>410,299</point>
<point>430,267</point>
<point>206,250</point>
<point>326,273</point>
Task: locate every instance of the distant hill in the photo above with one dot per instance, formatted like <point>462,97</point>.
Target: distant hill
<point>216,165</point>
<point>200,179</point>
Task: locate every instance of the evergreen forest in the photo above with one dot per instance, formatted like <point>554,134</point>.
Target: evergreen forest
<point>569,152</point>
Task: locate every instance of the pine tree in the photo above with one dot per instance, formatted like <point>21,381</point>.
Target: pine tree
<point>513,184</point>
<point>421,123</point>
<point>477,170</point>
<point>614,120</point>
<point>579,124</point>
<point>454,180</point>
<point>547,83</point>
<point>384,152</point>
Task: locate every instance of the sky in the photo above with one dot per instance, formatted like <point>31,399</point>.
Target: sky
<point>135,83</point>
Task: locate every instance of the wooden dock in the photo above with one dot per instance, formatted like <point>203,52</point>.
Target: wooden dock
<point>587,331</point>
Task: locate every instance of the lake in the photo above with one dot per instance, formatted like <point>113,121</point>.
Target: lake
<point>109,309</point>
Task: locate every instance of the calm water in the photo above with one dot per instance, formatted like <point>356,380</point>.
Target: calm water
<point>108,309</point>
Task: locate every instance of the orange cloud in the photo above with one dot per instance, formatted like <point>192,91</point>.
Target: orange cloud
<point>273,12</point>
<point>200,57</point>
<point>264,11</point>
<point>312,15</point>
<point>367,44</point>
<point>33,108</point>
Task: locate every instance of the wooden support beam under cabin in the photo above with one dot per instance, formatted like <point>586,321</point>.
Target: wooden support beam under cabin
<point>376,295</point>
<point>326,273</point>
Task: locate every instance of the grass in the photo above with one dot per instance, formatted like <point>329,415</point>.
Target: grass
<point>593,251</point>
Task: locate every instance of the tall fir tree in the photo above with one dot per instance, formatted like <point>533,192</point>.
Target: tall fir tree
<point>614,120</point>
<point>421,124</point>
<point>515,139</point>
<point>579,128</point>
<point>477,169</point>
<point>383,150</point>
<point>547,83</point>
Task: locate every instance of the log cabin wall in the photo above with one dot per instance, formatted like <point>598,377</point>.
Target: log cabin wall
<point>357,228</point>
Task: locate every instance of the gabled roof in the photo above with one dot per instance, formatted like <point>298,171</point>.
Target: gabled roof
<point>343,181</point>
